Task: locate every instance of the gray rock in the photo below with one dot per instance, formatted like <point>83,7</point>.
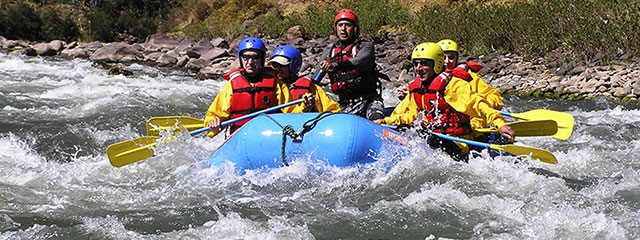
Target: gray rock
<point>153,56</point>
<point>116,52</point>
<point>43,49</point>
<point>93,46</point>
<point>75,53</point>
<point>196,64</point>
<point>166,61</point>
<point>636,88</point>
<point>210,73</point>
<point>621,92</point>
<point>184,45</point>
<point>71,45</point>
<point>173,54</point>
<point>556,86</point>
<point>296,42</point>
<point>297,32</point>
<point>220,43</point>
<point>200,48</point>
<point>616,80</point>
<point>182,61</point>
<point>246,23</point>
<point>57,45</point>
<point>405,76</point>
<point>577,70</point>
<point>23,51</point>
<point>562,70</point>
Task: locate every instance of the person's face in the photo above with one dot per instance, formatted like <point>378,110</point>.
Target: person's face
<point>251,61</point>
<point>345,30</point>
<point>282,71</point>
<point>450,59</point>
<point>424,69</point>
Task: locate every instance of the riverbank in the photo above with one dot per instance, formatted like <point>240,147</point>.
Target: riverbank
<point>209,59</point>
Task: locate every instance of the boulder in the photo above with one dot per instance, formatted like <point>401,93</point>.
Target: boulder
<point>214,53</point>
<point>210,72</point>
<point>166,61</point>
<point>93,46</point>
<point>297,32</point>
<point>200,48</point>
<point>116,52</point>
<point>56,45</point>
<point>196,64</point>
<point>75,53</point>
<point>182,61</point>
<point>43,49</point>
<point>153,56</point>
<point>220,43</point>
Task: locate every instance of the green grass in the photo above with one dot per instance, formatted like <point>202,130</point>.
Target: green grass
<point>582,28</point>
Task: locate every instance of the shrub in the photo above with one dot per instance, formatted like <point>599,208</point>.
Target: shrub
<point>101,26</point>
<point>55,27</point>
<point>533,29</point>
<point>20,21</point>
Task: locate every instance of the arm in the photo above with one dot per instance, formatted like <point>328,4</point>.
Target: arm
<point>220,108</point>
<point>490,94</point>
<point>323,102</point>
<point>405,113</point>
<point>460,96</point>
<point>366,54</point>
<point>284,96</point>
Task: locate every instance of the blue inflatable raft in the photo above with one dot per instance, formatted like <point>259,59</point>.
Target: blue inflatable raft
<point>337,139</point>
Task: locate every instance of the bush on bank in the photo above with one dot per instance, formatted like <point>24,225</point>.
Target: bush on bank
<point>535,28</point>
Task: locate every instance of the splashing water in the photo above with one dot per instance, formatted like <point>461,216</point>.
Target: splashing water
<point>58,116</point>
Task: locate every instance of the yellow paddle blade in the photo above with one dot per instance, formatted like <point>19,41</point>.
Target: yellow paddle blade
<point>155,124</point>
<point>536,153</point>
<point>529,128</point>
<point>131,151</point>
<point>565,121</point>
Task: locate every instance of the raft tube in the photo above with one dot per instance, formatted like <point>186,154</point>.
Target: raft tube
<point>336,139</point>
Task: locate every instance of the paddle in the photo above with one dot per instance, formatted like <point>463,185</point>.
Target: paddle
<point>529,128</point>
<point>131,151</point>
<point>564,120</point>
<point>155,124</point>
<point>537,153</point>
<point>319,76</point>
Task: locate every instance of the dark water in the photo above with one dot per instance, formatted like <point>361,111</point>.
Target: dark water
<point>58,116</point>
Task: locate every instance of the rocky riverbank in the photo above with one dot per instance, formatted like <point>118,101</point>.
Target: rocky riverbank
<point>211,58</point>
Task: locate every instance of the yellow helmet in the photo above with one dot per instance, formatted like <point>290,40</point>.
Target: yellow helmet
<point>432,51</point>
<point>449,45</point>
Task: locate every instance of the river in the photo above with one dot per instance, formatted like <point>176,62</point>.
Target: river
<point>58,116</point>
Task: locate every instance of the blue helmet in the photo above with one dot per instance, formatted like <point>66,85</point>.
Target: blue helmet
<point>292,54</point>
<point>251,43</point>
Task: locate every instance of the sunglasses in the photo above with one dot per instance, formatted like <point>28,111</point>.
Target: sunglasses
<point>246,57</point>
<point>423,62</point>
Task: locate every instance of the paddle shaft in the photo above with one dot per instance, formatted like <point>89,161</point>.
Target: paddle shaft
<point>541,154</point>
<point>232,121</point>
<point>319,76</point>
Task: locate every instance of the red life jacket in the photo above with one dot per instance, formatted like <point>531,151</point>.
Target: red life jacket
<point>349,81</point>
<point>441,117</point>
<point>248,99</point>
<point>300,87</point>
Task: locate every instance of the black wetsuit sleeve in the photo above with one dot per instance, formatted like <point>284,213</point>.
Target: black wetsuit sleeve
<point>366,54</point>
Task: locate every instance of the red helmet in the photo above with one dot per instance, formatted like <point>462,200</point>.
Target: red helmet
<point>346,14</point>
